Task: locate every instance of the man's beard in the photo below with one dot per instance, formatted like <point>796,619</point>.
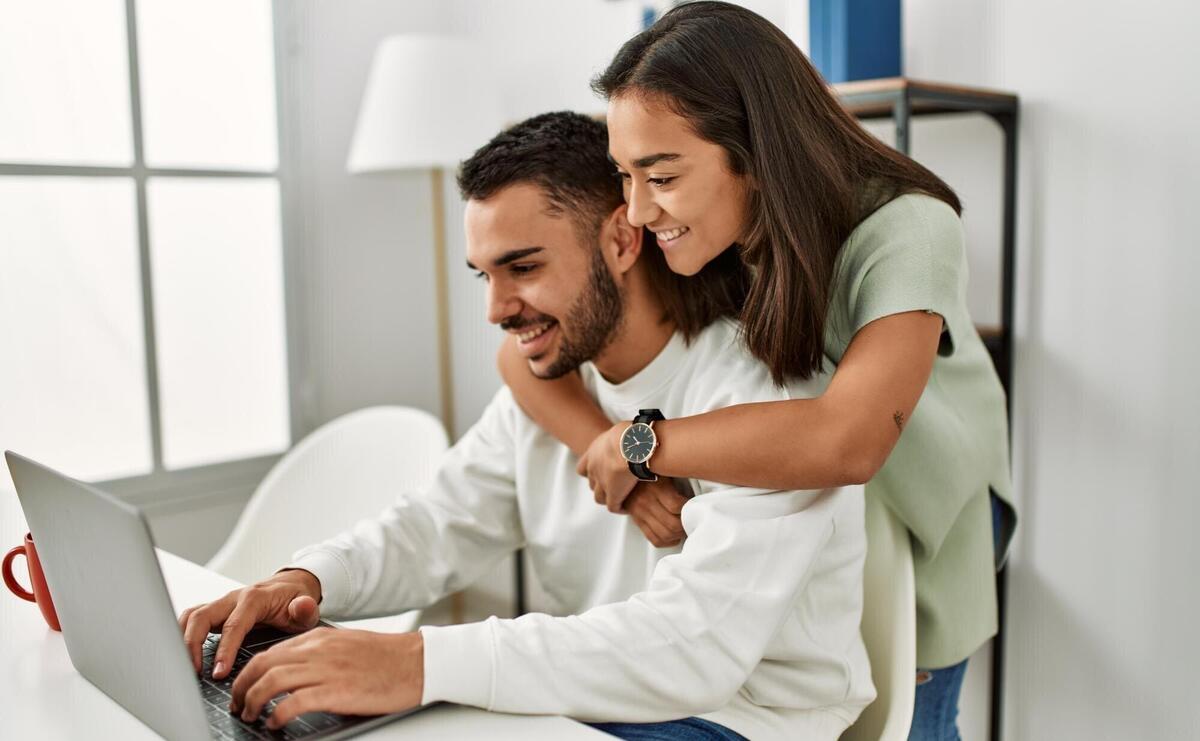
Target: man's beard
<point>593,319</point>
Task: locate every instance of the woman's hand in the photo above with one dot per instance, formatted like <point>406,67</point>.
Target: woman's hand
<point>606,469</point>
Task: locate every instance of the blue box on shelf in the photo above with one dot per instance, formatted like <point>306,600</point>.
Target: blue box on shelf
<point>855,39</point>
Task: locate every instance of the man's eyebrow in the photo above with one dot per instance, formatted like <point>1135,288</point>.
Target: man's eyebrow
<point>650,160</point>
<point>510,256</point>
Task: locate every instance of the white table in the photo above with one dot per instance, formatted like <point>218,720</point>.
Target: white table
<point>43,697</point>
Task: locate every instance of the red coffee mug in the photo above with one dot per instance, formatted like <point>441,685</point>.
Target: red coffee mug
<point>41,593</point>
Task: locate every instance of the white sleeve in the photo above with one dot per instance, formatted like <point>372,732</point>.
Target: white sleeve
<point>432,543</point>
<point>684,646</point>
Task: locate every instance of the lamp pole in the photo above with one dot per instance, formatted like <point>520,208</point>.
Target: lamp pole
<point>442,299</point>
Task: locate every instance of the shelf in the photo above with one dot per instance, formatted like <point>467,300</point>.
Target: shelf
<point>994,341</point>
<point>901,100</point>
<point>877,98</point>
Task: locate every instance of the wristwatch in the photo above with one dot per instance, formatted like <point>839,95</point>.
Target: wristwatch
<point>638,443</point>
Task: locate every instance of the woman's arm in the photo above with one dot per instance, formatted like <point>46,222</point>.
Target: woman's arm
<point>564,409</point>
<point>561,406</point>
<point>841,437</point>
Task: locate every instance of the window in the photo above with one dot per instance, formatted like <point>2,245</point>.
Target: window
<point>142,315</point>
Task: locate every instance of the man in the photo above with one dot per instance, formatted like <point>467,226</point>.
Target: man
<point>751,624</point>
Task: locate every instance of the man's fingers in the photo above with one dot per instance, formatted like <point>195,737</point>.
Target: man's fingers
<point>673,503</point>
<point>183,622</point>
<point>199,625</point>
<point>183,618</point>
<point>670,518</point>
<point>275,681</point>
<point>646,531</point>
<point>655,532</point>
<point>280,654</point>
<point>302,701</point>
<point>663,528</point>
<point>233,632</point>
<point>652,509</point>
<point>303,612</point>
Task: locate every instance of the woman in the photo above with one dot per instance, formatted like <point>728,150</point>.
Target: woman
<point>724,134</point>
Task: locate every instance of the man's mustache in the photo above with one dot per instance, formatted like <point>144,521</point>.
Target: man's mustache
<point>520,322</point>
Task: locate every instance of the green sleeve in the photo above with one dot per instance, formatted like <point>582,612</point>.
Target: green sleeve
<point>907,256</point>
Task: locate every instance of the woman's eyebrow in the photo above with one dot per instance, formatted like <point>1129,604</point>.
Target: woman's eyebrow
<point>650,160</point>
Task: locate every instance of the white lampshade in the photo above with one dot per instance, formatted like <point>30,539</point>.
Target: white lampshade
<point>429,102</point>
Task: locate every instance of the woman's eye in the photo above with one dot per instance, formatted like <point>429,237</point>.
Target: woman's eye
<point>659,182</point>
<point>624,176</point>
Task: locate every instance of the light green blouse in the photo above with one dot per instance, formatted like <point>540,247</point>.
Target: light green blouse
<point>909,256</point>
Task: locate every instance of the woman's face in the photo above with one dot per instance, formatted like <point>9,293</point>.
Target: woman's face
<point>677,185</point>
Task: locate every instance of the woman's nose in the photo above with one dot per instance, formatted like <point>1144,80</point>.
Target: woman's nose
<point>642,209</point>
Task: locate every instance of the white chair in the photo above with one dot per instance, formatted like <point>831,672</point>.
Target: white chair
<point>348,470</point>
<point>889,628</point>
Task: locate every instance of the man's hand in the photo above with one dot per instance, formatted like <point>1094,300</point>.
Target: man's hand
<point>606,469</point>
<point>655,508</point>
<point>287,601</point>
<point>354,672</point>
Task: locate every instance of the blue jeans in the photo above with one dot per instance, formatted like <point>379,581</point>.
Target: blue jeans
<point>688,729</point>
<point>935,708</point>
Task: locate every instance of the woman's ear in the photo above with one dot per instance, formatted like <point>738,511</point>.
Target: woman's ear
<point>621,240</point>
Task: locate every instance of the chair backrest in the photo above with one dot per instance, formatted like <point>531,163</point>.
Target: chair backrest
<point>889,628</point>
<point>347,470</point>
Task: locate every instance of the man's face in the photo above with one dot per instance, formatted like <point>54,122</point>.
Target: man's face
<point>552,291</point>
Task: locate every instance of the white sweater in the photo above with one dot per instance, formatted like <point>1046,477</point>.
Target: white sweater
<point>752,624</point>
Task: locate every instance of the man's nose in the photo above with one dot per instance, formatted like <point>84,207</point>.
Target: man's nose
<point>501,302</point>
<point>642,209</point>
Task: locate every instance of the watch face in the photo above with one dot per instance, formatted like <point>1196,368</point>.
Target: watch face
<point>638,442</point>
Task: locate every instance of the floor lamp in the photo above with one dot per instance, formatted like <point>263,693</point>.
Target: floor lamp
<point>428,104</point>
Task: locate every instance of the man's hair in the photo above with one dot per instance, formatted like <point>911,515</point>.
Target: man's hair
<point>566,155</point>
<point>563,153</point>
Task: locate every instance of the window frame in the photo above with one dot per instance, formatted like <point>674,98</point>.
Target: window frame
<point>235,477</point>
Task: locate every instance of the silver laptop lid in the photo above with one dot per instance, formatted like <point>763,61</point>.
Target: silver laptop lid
<point>117,620</point>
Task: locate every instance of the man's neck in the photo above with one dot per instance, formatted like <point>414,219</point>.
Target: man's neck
<point>641,336</point>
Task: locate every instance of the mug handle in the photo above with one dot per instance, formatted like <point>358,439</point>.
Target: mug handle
<point>10,580</point>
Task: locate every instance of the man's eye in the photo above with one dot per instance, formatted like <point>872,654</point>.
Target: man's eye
<point>481,275</point>
<point>523,269</point>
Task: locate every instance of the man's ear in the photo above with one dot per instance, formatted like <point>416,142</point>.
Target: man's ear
<point>620,240</point>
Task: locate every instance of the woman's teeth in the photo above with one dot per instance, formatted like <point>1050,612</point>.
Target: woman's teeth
<point>527,336</point>
<point>671,234</point>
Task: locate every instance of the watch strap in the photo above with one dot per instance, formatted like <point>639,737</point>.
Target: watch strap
<point>642,470</point>
<point>646,416</point>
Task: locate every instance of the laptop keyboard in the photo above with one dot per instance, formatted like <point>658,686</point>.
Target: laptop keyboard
<point>216,695</point>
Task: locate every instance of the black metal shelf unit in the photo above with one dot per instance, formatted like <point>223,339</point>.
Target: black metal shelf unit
<point>901,99</point>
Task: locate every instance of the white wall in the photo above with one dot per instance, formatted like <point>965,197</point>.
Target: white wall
<point>1103,590</point>
<point>368,260</point>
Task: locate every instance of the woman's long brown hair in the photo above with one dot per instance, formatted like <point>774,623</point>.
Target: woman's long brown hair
<point>814,172</point>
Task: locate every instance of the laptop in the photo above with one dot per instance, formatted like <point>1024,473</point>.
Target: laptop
<point>120,629</point>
